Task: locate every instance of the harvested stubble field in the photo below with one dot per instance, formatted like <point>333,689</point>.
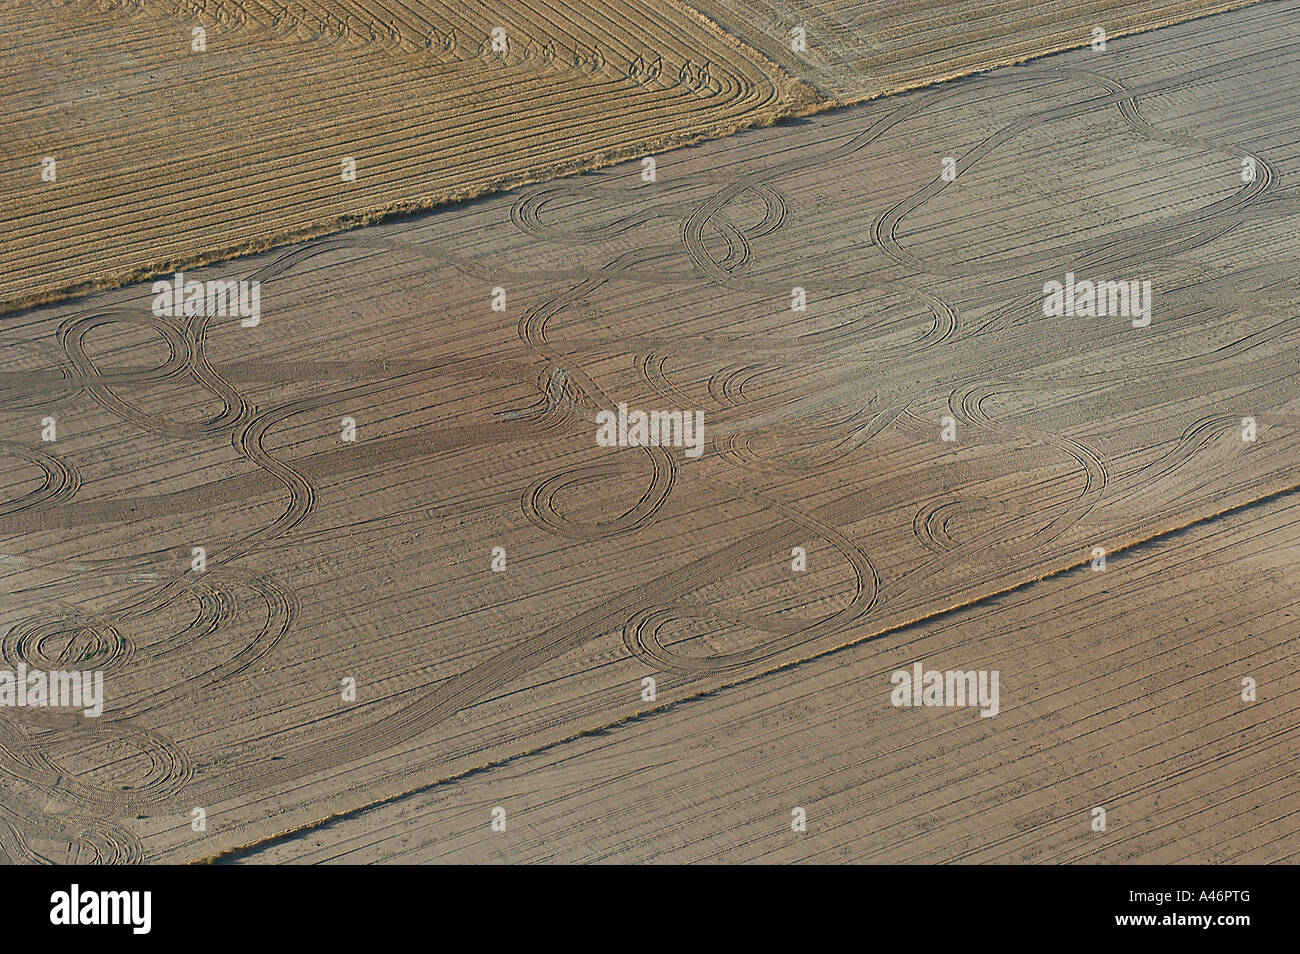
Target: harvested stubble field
<point>854,50</point>
<point>170,156</point>
<point>166,155</point>
<point>371,560</point>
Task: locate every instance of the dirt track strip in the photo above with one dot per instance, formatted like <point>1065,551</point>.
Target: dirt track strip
<point>477,432</point>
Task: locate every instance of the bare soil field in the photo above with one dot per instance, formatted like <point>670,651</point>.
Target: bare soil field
<point>920,453</point>
<point>286,120</point>
<point>1127,699</point>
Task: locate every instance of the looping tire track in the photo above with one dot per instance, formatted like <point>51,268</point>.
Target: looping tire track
<point>641,629</point>
<point>248,430</point>
<point>1110,249</point>
<point>61,479</point>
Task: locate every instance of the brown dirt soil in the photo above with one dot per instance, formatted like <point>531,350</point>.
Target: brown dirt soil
<point>328,560</point>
